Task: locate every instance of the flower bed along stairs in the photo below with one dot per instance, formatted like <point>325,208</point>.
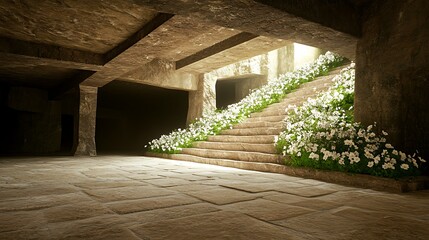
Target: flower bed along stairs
<point>250,144</point>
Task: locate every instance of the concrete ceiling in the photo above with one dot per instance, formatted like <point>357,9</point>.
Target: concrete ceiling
<point>58,44</point>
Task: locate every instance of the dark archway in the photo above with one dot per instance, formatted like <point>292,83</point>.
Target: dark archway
<point>129,115</point>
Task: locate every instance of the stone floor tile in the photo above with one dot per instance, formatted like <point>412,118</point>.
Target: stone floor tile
<point>168,182</point>
<point>263,187</point>
<point>323,225</point>
<point>75,211</point>
<point>164,214</point>
<point>38,189</point>
<point>284,198</point>
<point>223,195</point>
<point>97,184</point>
<point>40,202</point>
<point>139,205</point>
<point>191,187</point>
<point>267,210</point>
<point>98,228</point>
<point>10,221</point>
<point>127,193</point>
<point>217,225</point>
<point>307,191</point>
<point>317,204</point>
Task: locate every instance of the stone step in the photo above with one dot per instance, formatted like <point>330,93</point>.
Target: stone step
<point>270,112</point>
<point>255,166</point>
<point>237,146</point>
<point>258,124</point>
<point>252,131</point>
<point>265,119</point>
<point>242,139</point>
<point>233,155</point>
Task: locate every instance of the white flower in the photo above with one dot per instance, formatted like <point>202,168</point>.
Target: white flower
<point>388,145</point>
<point>370,164</point>
<point>405,166</point>
<point>314,156</point>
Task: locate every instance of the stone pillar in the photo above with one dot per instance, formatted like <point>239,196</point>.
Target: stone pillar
<point>285,61</point>
<point>392,72</point>
<point>85,122</point>
<point>203,99</point>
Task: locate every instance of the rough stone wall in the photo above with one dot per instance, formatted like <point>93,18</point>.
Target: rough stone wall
<point>203,99</point>
<point>85,122</point>
<point>37,126</point>
<point>392,75</point>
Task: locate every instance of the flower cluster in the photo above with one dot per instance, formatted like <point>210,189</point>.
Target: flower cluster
<point>214,122</point>
<point>322,134</point>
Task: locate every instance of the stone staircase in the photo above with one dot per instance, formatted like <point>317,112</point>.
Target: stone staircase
<point>250,144</point>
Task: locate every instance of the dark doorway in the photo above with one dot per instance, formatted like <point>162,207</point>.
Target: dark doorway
<point>232,90</point>
<point>225,93</point>
<point>129,115</point>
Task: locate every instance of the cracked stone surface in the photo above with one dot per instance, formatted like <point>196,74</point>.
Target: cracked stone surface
<point>116,197</point>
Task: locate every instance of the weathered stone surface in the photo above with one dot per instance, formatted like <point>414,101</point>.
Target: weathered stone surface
<point>77,26</point>
<point>392,73</point>
<point>222,196</point>
<point>167,182</point>
<point>40,202</point>
<point>126,193</point>
<point>75,211</point>
<point>162,74</point>
<point>257,46</point>
<point>197,209</point>
<point>86,119</point>
<point>97,184</point>
<point>34,190</point>
<point>266,21</point>
<point>19,220</point>
<point>102,227</point>
<point>267,210</point>
<point>222,225</point>
<point>140,205</point>
<point>175,212</point>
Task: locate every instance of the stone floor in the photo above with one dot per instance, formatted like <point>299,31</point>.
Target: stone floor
<point>116,197</point>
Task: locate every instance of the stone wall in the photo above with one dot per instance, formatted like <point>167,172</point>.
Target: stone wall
<point>392,75</point>
<point>30,122</point>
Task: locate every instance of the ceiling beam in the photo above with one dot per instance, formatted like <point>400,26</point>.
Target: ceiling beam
<point>216,48</point>
<point>127,55</point>
<point>265,20</point>
<point>44,54</point>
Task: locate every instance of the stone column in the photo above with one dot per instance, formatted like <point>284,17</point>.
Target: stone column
<point>203,99</point>
<point>85,122</point>
<point>392,73</point>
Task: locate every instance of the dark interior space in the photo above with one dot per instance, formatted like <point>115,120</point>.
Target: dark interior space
<point>232,90</point>
<point>225,93</point>
<point>30,123</point>
<point>129,115</point>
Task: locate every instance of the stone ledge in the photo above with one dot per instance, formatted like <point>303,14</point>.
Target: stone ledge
<point>347,179</point>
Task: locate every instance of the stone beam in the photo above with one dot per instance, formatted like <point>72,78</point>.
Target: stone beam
<point>260,19</point>
<point>15,51</point>
<point>127,55</point>
<point>161,73</point>
<point>216,48</point>
<point>251,48</point>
